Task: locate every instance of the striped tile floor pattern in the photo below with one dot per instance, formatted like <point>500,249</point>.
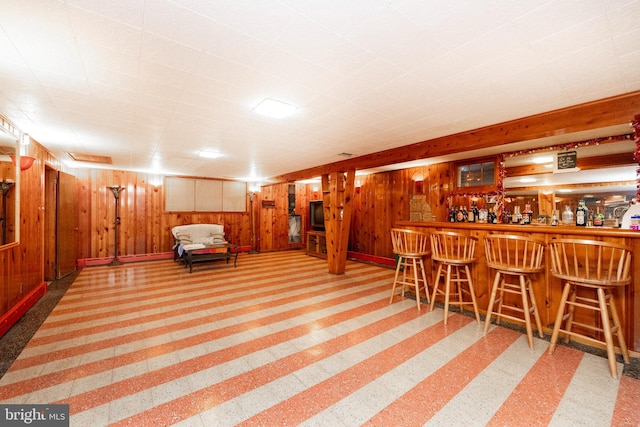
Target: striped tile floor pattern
<point>279,341</point>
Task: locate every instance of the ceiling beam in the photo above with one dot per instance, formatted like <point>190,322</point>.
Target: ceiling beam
<point>588,116</point>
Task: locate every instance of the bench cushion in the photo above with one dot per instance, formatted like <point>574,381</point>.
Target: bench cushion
<point>206,234</point>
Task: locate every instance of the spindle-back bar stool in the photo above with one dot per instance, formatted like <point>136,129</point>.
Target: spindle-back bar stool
<point>593,266</point>
<point>515,259</point>
<point>410,247</point>
<point>454,253</point>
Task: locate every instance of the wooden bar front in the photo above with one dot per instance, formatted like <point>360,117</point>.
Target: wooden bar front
<point>548,288</point>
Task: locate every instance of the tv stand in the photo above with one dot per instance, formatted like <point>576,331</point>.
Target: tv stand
<point>317,244</point>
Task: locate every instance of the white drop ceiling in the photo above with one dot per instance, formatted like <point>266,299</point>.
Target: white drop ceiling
<point>151,83</point>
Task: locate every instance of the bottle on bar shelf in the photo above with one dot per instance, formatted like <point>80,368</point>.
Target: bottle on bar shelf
<point>598,218</point>
<point>527,214</point>
<point>567,215</point>
<point>516,216</point>
<point>476,211</point>
<point>471,216</point>
<point>492,217</point>
<point>582,214</point>
<point>453,214</point>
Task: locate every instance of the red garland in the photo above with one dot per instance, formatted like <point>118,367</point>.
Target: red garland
<point>635,124</point>
<point>572,145</point>
<point>502,174</point>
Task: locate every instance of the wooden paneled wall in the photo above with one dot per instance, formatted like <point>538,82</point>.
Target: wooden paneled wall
<point>384,198</point>
<point>21,264</point>
<point>145,228</point>
<point>379,202</point>
<point>272,216</point>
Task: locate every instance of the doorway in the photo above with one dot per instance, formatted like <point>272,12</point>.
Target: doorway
<point>61,224</point>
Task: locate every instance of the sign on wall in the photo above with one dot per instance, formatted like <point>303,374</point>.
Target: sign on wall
<point>566,161</point>
<point>204,195</point>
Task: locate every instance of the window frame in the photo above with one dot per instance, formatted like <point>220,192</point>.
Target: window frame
<point>486,188</point>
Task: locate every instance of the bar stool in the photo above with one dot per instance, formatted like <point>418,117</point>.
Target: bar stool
<point>596,266</point>
<point>454,253</point>
<point>517,258</point>
<point>410,247</point>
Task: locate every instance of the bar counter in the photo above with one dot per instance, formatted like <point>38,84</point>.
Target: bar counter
<point>548,288</point>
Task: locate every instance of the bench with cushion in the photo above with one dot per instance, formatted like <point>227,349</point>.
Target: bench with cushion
<point>196,236</point>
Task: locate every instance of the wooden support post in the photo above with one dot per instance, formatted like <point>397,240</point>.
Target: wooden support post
<point>337,195</point>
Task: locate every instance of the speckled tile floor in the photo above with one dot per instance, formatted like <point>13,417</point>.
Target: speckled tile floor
<point>149,344</point>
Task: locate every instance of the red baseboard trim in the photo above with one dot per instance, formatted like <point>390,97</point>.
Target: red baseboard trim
<point>17,311</point>
<point>371,258</point>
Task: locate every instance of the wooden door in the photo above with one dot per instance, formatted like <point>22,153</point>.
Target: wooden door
<point>66,225</point>
<point>50,203</point>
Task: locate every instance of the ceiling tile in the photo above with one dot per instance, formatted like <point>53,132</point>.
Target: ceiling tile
<point>166,78</point>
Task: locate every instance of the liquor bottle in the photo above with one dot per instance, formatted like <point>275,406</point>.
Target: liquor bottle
<point>460,215</point>
<point>483,215</point>
<point>582,214</point>
<point>465,214</point>
<point>567,215</point>
<point>527,214</point>
<point>476,211</point>
<point>492,217</point>
<point>598,218</point>
<point>452,214</point>
<point>602,217</point>
<point>515,215</point>
<point>471,217</point>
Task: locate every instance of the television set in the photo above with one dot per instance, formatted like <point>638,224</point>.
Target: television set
<point>316,215</point>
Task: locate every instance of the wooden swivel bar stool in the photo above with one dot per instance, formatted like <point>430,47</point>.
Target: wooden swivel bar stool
<point>515,260</point>
<point>410,247</point>
<point>587,265</point>
<point>454,253</point>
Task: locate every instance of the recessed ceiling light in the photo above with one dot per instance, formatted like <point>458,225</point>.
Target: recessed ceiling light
<point>542,159</point>
<point>210,154</point>
<point>272,108</point>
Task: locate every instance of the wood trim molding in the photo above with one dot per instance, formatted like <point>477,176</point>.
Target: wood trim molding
<point>584,163</point>
<point>591,115</point>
